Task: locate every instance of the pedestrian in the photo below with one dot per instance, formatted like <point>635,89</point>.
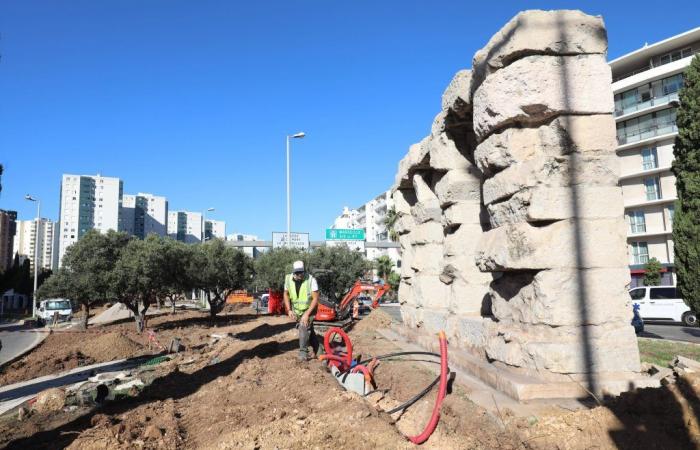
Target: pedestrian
<point>300,300</point>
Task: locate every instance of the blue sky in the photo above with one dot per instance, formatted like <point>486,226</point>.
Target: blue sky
<point>192,100</point>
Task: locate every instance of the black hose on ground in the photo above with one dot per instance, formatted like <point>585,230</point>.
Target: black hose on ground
<point>418,396</point>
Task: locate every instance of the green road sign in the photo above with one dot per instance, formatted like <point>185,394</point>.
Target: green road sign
<point>342,234</point>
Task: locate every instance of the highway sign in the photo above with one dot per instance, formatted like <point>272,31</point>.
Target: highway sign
<point>299,240</point>
<point>344,234</point>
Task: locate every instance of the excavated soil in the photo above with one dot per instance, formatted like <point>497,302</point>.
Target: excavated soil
<point>246,390</point>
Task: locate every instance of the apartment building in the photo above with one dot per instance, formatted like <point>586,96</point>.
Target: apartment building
<point>46,240</point>
<point>185,226</point>
<point>645,86</point>
<point>143,214</point>
<point>8,225</point>
<point>87,202</point>
<point>371,217</point>
<point>253,252</point>
<point>215,229</point>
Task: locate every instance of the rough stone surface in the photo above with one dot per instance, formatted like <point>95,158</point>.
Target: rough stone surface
<point>459,185</point>
<point>542,203</point>
<point>53,399</point>
<point>588,135</point>
<point>551,171</point>
<point>560,350</point>
<point>574,243</point>
<point>457,96</point>
<point>516,247</point>
<point>538,32</point>
<point>559,297</point>
<point>537,88</point>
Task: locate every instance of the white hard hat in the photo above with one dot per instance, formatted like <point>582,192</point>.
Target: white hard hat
<point>298,266</point>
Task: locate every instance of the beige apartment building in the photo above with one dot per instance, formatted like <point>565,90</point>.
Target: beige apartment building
<point>645,85</point>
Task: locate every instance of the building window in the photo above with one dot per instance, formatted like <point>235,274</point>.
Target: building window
<point>640,253</point>
<point>637,222</point>
<point>670,210</point>
<point>649,159</point>
<point>651,185</point>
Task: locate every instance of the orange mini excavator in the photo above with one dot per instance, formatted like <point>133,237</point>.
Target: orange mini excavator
<point>330,311</point>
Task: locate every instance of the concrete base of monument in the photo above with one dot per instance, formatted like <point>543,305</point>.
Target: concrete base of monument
<point>526,387</point>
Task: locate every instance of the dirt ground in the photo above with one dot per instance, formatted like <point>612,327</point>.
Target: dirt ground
<point>250,392</point>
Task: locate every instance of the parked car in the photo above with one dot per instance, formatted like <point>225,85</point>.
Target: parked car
<point>52,307</point>
<point>663,303</point>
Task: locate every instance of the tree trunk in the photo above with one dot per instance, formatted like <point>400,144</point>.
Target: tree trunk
<point>86,317</point>
<point>212,308</point>
<point>172,303</point>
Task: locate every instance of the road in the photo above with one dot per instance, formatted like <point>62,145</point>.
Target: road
<point>672,331</point>
<point>16,340</point>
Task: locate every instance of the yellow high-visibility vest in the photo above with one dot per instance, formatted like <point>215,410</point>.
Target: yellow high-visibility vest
<point>300,300</point>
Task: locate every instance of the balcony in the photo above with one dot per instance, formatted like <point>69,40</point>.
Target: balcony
<point>648,234</point>
<point>643,106</point>
<point>684,55</point>
<point>660,201</point>
<point>654,131</point>
<point>644,173</point>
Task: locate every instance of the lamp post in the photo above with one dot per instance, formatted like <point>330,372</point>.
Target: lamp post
<point>36,249</point>
<point>289,203</point>
<point>204,223</point>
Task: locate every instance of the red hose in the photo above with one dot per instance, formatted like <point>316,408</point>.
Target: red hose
<point>432,423</point>
<point>345,360</point>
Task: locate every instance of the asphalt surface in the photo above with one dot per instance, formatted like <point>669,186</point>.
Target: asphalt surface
<point>655,330</point>
<point>16,340</point>
<point>671,331</point>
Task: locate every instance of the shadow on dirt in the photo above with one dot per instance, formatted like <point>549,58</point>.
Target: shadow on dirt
<point>175,385</point>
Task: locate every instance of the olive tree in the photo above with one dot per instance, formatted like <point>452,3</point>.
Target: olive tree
<point>84,276</point>
<point>218,270</point>
<point>271,267</point>
<point>336,269</point>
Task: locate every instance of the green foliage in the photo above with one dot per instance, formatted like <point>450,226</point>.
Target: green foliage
<point>390,221</point>
<point>394,281</point>
<point>272,266</point>
<point>652,272</point>
<point>85,274</point>
<point>686,167</point>
<point>384,266</point>
<point>219,269</point>
<point>336,269</point>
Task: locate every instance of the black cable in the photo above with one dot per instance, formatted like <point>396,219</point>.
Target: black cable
<point>418,396</point>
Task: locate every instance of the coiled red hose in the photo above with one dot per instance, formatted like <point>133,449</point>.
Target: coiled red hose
<point>342,362</point>
<point>435,417</point>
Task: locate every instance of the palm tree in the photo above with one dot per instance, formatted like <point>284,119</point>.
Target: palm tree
<point>390,221</point>
<point>383,264</point>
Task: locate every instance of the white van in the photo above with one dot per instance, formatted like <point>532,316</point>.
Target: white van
<point>662,303</point>
<point>48,308</point>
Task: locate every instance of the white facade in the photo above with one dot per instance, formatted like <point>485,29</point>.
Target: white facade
<point>26,238</point>
<point>646,84</point>
<point>185,226</point>
<point>369,217</point>
<point>88,202</point>
<point>215,229</point>
<point>253,252</point>
<point>143,214</point>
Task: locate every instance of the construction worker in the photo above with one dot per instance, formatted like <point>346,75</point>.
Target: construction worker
<point>300,300</point>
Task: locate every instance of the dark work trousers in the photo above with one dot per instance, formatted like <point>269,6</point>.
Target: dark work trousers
<point>307,336</point>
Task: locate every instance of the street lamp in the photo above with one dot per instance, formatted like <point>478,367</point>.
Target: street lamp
<point>289,203</point>
<point>204,223</point>
<point>36,248</point>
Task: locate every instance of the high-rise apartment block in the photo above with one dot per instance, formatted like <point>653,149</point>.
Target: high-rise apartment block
<point>371,217</point>
<point>215,229</point>
<point>645,85</point>
<point>143,214</point>
<point>88,202</point>
<point>8,226</point>
<point>27,238</point>
<point>185,226</point>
